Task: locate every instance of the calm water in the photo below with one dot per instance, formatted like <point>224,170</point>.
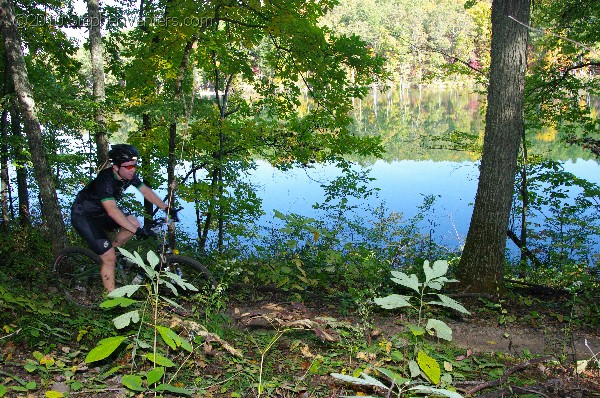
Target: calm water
<point>415,127</point>
<point>403,185</point>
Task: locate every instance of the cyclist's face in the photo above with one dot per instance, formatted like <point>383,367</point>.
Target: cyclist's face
<point>127,169</point>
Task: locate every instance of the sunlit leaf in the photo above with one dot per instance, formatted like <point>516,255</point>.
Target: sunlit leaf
<point>393,301</point>
<point>442,330</point>
<point>125,319</point>
<point>409,281</point>
<point>104,348</point>
<point>429,366</point>
<point>155,375</point>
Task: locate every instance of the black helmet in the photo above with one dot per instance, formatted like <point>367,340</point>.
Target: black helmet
<point>121,153</point>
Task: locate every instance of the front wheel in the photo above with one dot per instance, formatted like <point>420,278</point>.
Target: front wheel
<point>77,276</point>
<point>192,271</point>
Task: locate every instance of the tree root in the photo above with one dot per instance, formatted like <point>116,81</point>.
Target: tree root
<point>494,383</point>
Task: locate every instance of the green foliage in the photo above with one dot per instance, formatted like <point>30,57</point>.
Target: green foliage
<point>420,364</point>
<point>137,313</point>
<point>562,224</point>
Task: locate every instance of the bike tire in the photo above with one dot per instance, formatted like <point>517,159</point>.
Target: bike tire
<point>192,271</point>
<point>77,276</point>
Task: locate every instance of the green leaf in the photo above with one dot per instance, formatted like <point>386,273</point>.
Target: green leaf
<point>363,380</point>
<point>409,281</point>
<point>30,367</point>
<point>436,391</point>
<point>38,355</point>
<point>3,390</point>
<point>441,329</point>
<point>127,290</point>
<point>416,330</point>
<point>173,389</point>
<point>155,375</point>
<point>168,336</point>
<point>152,258</point>
<point>450,303</point>
<point>31,385</point>
<point>118,302</point>
<point>125,319</point>
<point>393,376</point>
<point>104,348</point>
<point>393,301</point>
<point>415,371</point>
<point>429,366</point>
<point>133,382</point>
<point>440,267</point>
<point>160,360</point>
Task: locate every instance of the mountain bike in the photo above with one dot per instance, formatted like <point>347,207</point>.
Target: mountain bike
<point>77,270</point>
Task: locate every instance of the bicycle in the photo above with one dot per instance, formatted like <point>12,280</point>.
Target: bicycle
<point>77,270</point>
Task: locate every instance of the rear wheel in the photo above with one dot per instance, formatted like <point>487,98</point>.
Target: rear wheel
<point>192,271</point>
<point>77,276</point>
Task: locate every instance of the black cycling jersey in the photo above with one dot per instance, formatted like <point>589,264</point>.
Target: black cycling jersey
<point>88,216</point>
<point>106,186</point>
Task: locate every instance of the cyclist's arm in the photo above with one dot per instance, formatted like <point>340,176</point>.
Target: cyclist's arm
<point>116,214</point>
<point>152,197</point>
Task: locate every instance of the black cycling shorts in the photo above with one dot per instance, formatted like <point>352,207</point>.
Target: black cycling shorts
<point>94,230</point>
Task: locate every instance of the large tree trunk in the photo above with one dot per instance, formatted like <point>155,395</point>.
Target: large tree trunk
<point>49,201</point>
<point>97,56</point>
<point>5,204</point>
<point>482,262</point>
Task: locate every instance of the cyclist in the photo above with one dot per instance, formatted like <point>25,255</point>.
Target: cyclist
<point>95,212</point>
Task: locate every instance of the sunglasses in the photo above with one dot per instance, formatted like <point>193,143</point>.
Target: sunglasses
<point>130,167</point>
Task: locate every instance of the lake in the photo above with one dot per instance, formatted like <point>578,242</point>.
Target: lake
<point>415,126</point>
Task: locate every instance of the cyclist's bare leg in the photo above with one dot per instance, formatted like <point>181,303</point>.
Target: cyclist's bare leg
<point>107,269</point>
<point>124,235</point>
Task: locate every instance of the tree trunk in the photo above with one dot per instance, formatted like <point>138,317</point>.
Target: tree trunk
<point>482,262</point>
<point>4,180</point>
<point>51,211</point>
<point>21,162</point>
<point>5,203</point>
<point>97,56</point>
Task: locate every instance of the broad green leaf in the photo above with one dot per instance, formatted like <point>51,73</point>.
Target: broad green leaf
<point>30,367</point>
<point>125,319</point>
<point>155,375</point>
<point>133,382</point>
<point>441,329</point>
<point>416,330</point>
<point>168,336</point>
<point>173,389</point>
<point>450,303</point>
<point>363,380</point>
<point>127,290</point>
<point>440,267</point>
<point>436,391</point>
<point>104,348</point>
<point>3,390</point>
<point>38,355</point>
<point>160,360</point>
<point>409,281</point>
<point>152,258</point>
<point>393,301</point>
<point>415,371</point>
<point>31,385</point>
<point>393,376</point>
<point>429,366</point>
<point>118,302</point>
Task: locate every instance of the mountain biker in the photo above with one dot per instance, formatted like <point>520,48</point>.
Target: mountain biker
<point>95,212</point>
